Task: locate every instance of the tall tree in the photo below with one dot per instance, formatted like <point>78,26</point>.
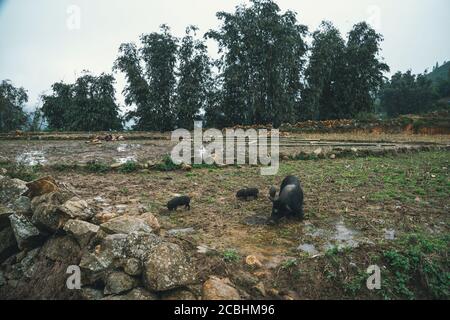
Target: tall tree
<point>55,105</point>
<point>150,73</point>
<point>87,105</point>
<point>363,74</point>
<point>343,78</point>
<point>194,78</point>
<point>12,101</point>
<point>263,56</point>
<point>322,95</point>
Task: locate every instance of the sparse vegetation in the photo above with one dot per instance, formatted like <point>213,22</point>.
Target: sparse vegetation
<point>167,164</point>
<point>231,256</point>
<point>418,266</point>
<point>97,167</point>
<point>288,264</point>
<point>21,171</point>
<point>128,167</point>
<point>407,192</point>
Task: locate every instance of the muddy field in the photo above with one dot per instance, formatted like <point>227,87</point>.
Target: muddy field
<point>359,211</point>
<point>78,149</point>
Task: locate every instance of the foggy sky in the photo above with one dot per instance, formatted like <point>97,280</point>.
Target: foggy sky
<point>40,42</point>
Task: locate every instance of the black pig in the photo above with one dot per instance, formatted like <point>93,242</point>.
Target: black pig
<point>247,193</point>
<point>289,202</point>
<point>179,201</point>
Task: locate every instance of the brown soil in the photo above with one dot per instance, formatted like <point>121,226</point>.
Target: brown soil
<point>222,223</point>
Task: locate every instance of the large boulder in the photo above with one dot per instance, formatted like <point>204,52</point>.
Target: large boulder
<point>8,244</point>
<point>52,210</point>
<point>140,245</point>
<point>77,208</point>
<point>81,230</point>
<point>26,234</point>
<point>104,257</point>
<point>24,266</point>
<point>22,205</point>
<point>119,282</point>
<point>219,289</point>
<point>40,187</point>
<point>116,248</point>
<point>103,217</point>
<point>94,264</point>
<point>45,272</point>
<point>168,267</point>
<point>132,266</point>
<point>46,213</point>
<point>11,189</point>
<point>5,212</point>
<point>60,249</point>
<point>126,225</point>
<point>152,221</point>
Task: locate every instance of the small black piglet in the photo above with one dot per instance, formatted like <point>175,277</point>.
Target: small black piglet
<point>179,201</point>
<point>247,193</point>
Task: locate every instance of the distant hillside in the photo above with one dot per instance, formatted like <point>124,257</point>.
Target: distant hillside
<point>440,73</point>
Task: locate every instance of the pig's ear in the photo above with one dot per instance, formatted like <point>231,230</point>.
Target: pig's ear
<point>272,193</point>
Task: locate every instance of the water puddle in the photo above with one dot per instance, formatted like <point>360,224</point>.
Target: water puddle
<point>31,158</point>
<point>123,147</point>
<point>127,148</point>
<point>126,159</point>
<point>343,233</point>
<point>308,248</point>
<point>339,236</point>
<point>313,232</point>
<point>343,237</point>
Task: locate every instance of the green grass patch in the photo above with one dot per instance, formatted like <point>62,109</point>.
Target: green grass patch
<point>231,256</point>
<point>97,167</point>
<point>129,167</point>
<point>419,265</point>
<point>167,164</point>
<point>21,171</point>
<point>289,264</point>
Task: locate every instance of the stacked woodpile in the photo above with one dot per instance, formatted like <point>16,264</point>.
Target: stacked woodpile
<point>106,138</point>
<point>433,123</point>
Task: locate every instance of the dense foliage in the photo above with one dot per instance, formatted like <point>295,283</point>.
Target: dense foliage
<point>343,78</point>
<point>194,80</point>
<point>443,86</point>
<point>322,96</point>
<point>12,101</point>
<point>151,82</point>
<point>263,57</point>
<point>406,93</point>
<point>86,105</point>
<point>265,73</point>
